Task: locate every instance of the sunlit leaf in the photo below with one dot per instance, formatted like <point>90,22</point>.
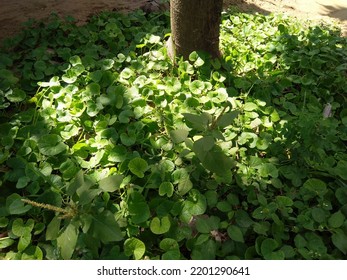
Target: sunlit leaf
<point>160,225</point>
<point>179,135</point>
<point>134,247</point>
<point>138,166</point>
<point>67,241</point>
<point>166,188</point>
<point>111,183</point>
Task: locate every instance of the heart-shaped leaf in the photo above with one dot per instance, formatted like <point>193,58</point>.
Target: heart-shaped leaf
<point>166,188</point>
<point>138,166</point>
<point>134,247</point>
<point>160,225</point>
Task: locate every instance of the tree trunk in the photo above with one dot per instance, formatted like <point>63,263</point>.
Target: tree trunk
<point>194,27</point>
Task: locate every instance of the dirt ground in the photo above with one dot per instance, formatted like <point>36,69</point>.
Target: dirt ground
<point>14,12</point>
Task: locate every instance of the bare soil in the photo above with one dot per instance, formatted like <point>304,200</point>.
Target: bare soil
<point>14,12</point>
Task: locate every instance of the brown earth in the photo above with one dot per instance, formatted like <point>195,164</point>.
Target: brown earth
<point>14,12</point>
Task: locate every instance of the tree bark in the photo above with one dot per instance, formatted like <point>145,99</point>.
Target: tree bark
<point>194,27</point>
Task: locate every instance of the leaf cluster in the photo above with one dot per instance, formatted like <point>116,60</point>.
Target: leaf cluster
<point>242,157</point>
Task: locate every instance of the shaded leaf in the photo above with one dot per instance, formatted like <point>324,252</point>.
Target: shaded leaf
<point>336,220</point>
<point>339,239</point>
<point>51,145</point>
<point>138,208</point>
<point>106,228</point>
<point>235,233</point>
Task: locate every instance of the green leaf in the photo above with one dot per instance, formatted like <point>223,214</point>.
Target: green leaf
<point>67,241</point>
<point>51,145</point>
<point>24,242</point>
<point>194,205</point>
<point>262,228</point>
<point>6,242</point>
<point>3,222</point>
<point>300,241</point>
<point>198,122</point>
<point>224,206</point>
<point>106,63</point>
<point>138,208</point>
<point>196,87</point>
<point>284,201</point>
<point>235,233</point>
<point>93,89</point>
<point>202,146</point>
<point>250,106</point>
<point>168,244</point>
<point>184,185</point>
<point>127,140</point>
<point>319,215</point>
<point>198,61</point>
<point>32,253</point>
<point>52,231</point>
<point>243,219</point>
<point>134,247</point>
<point>21,229</point>
<point>341,195</point>
<point>336,220</point>
<point>118,154</point>
<point>160,225</point>
<point>106,228</point>
<point>22,182</point>
<point>15,95</point>
<point>182,178</point>
<point>341,168</point>
<point>339,239</point>
<point>15,205</point>
<point>227,118</point>
<point>69,169</point>
<point>267,247</point>
<point>8,77</point>
<point>316,186</point>
<point>207,224</point>
<point>268,169</point>
<point>69,76</point>
<point>126,73</point>
<point>77,182</point>
<point>166,188</point>
<point>124,116</point>
<point>111,183</point>
<point>202,225</point>
<point>74,60</point>
<point>138,166</point>
<point>171,255</point>
<point>179,135</point>
<point>212,157</point>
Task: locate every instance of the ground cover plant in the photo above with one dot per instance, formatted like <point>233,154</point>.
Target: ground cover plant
<point>109,150</point>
